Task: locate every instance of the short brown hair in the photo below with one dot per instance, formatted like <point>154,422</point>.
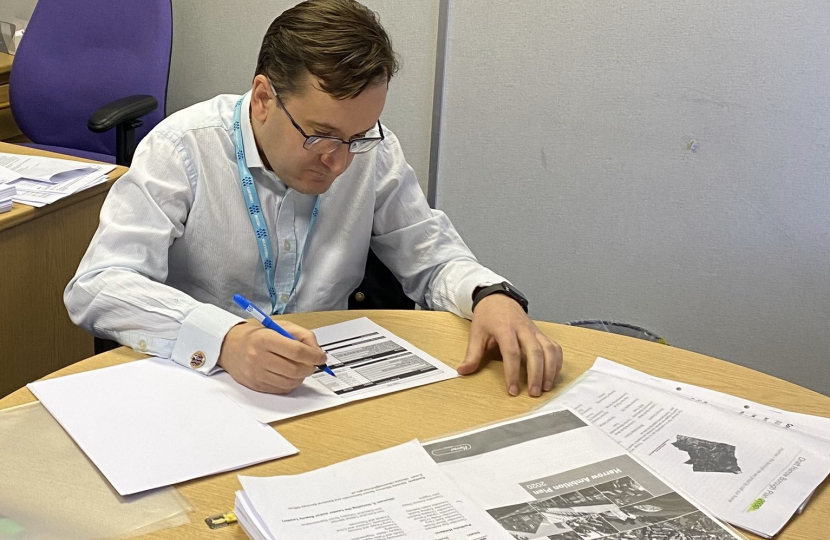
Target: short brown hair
<point>340,42</point>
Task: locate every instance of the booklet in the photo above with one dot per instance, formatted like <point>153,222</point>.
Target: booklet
<point>755,475</point>
<point>554,475</point>
<point>546,475</point>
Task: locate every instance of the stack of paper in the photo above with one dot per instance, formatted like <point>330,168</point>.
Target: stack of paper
<point>40,180</point>
<point>6,194</point>
<point>752,472</point>
<point>549,475</point>
<point>394,493</point>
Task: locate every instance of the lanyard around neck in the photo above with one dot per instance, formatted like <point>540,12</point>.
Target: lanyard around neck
<point>258,223</point>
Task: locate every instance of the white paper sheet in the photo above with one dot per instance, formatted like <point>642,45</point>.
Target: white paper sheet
<point>368,361</point>
<point>751,474</point>
<point>42,180</point>
<point>815,426</point>
<point>7,193</point>
<point>45,169</point>
<point>153,423</point>
<point>395,493</point>
<point>553,475</point>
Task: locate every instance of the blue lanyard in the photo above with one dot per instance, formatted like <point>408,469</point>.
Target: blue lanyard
<point>260,227</point>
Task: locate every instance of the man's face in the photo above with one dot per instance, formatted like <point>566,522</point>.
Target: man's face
<point>317,113</point>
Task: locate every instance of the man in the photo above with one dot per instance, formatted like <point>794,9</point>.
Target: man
<point>277,195</point>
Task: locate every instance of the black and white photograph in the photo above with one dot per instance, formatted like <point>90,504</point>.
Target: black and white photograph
<point>624,491</point>
<point>656,510</point>
<point>591,527</point>
<point>588,514</point>
<point>694,526</point>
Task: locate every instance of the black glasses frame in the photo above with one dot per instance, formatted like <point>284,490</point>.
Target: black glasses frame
<point>354,144</point>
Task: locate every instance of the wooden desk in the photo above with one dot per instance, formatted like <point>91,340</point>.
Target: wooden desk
<point>351,430</point>
<point>40,249</point>
<point>8,129</point>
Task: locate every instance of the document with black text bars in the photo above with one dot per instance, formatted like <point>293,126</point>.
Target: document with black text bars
<point>367,359</point>
<point>370,360</point>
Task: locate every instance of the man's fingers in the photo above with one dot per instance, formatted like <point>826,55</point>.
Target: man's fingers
<point>273,383</point>
<point>511,355</point>
<point>476,346</point>
<point>553,360</point>
<point>303,335</point>
<point>293,350</point>
<point>535,358</point>
<point>286,368</point>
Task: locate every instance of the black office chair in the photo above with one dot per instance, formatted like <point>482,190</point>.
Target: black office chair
<point>380,289</point>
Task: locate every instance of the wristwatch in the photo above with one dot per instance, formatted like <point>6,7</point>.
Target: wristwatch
<point>500,288</point>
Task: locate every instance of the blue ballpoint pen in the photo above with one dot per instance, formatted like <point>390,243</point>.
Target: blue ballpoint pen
<point>267,322</point>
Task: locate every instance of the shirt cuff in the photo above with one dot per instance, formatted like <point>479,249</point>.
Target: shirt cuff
<point>200,338</point>
<point>465,290</point>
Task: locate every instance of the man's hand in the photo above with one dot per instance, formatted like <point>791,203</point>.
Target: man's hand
<point>500,320</point>
<point>265,361</point>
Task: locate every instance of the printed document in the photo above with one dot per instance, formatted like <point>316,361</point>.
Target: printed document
<point>368,361</point>
<point>815,426</point>
<point>753,474</point>
<point>395,493</point>
<point>153,423</point>
<point>42,180</point>
<point>554,475</point>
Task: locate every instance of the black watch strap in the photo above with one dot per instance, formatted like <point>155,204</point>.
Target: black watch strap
<point>504,288</point>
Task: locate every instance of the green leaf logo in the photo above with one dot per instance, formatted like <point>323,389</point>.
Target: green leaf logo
<point>756,504</point>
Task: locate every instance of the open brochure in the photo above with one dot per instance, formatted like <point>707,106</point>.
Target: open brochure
<point>554,475</point>
<point>753,474</point>
<point>546,475</point>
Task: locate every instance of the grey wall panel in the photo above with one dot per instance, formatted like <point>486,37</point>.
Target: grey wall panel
<point>660,163</point>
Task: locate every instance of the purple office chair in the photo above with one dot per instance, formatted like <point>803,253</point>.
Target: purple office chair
<point>83,68</point>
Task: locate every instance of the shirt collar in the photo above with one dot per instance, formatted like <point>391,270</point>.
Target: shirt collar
<point>252,157</point>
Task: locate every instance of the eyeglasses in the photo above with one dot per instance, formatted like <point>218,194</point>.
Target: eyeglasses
<point>325,144</point>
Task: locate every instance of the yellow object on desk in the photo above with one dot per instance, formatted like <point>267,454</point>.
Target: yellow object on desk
<point>221,520</point>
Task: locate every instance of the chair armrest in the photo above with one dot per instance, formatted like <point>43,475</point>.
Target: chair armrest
<point>121,110</point>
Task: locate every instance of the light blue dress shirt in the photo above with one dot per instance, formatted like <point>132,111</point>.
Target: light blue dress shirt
<point>174,243</point>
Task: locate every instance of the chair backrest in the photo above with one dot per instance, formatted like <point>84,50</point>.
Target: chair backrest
<point>380,289</point>
<point>78,56</point>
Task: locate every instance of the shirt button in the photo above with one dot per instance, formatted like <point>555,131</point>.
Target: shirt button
<point>287,245</point>
<point>284,297</point>
<point>142,345</point>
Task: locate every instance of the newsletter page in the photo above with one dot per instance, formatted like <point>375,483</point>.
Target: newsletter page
<point>748,473</point>
<point>554,475</point>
